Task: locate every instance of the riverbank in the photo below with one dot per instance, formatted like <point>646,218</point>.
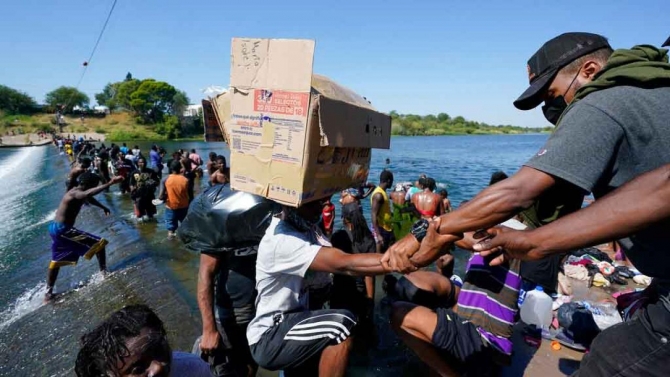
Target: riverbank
<point>113,127</point>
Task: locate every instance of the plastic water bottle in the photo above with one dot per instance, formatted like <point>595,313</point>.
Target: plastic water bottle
<point>536,309</point>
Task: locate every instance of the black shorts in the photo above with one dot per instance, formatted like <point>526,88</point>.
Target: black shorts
<point>299,337</point>
<point>405,290</point>
<point>461,344</point>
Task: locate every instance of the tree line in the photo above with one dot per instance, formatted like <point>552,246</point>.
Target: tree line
<point>152,102</point>
<point>444,124</point>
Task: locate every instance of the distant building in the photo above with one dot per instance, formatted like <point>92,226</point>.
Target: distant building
<point>101,110</point>
<point>193,111</point>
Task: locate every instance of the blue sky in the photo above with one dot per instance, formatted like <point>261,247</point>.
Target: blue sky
<point>460,57</point>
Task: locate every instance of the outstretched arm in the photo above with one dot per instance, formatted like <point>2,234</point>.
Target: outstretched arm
<point>634,206</point>
<point>92,200</point>
<point>98,189</point>
<point>490,207</point>
<point>330,259</point>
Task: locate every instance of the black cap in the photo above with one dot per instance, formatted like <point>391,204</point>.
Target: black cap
<point>550,58</point>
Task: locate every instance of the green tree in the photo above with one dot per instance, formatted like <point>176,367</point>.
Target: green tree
<point>128,76</point>
<point>13,101</point>
<point>67,97</point>
<point>124,91</point>
<point>180,102</point>
<point>443,117</point>
<point>152,100</point>
<point>108,96</point>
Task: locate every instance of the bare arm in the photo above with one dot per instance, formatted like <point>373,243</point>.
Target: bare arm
<point>377,201</point>
<point>333,260</point>
<point>636,205</point>
<point>370,287</point>
<point>96,190</point>
<point>493,205</point>
<point>209,267</point>
<point>92,200</point>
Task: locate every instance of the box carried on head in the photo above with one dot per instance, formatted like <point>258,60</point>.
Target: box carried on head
<point>295,137</point>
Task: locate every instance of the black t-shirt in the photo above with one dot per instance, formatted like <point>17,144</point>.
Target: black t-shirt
<point>607,139</point>
<point>235,285</point>
<point>344,285</point>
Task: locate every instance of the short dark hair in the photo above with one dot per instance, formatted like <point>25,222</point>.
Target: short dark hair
<point>600,55</point>
<point>423,182</point>
<point>431,184</point>
<point>222,158</point>
<point>386,176</point>
<point>497,177</point>
<point>88,179</point>
<point>444,192</point>
<point>85,162</point>
<point>104,346</point>
<point>175,166</point>
<point>193,150</point>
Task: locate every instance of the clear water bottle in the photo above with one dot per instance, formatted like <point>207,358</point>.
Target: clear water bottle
<point>536,309</point>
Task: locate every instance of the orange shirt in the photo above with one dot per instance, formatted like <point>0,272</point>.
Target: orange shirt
<point>176,188</point>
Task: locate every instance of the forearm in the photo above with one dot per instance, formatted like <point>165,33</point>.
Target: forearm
<point>362,264</point>
<point>370,287</point>
<point>96,190</point>
<point>96,203</point>
<point>489,208</point>
<point>631,208</point>
<point>206,301</point>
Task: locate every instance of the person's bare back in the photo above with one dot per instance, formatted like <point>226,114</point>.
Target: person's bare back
<point>428,204</point>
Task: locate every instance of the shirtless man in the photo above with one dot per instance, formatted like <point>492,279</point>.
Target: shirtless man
<point>428,203</point>
<point>220,175</point>
<point>70,243</point>
<point>398,196</point>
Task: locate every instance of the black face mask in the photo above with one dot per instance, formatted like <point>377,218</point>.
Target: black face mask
<point>553,109</point>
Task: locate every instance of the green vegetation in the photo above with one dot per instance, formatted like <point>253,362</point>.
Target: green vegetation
<point>13,101</point>
<point>66,98</point>
<point>141,110</point>
<point>443,124</point>
<point>151,101</point>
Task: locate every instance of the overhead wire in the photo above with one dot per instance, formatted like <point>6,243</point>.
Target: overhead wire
<point>90,57</point>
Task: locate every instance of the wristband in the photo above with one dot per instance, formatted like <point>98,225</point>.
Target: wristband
<point>419,229</point>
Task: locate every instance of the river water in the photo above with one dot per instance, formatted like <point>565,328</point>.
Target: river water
<point>42,340</point>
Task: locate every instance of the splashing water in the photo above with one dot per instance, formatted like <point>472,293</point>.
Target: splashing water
<point>29,301</point>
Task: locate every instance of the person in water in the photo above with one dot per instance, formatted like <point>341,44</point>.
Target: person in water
<point>382,229</point>
<point>356,194</point>
<point>211,163</point>
<point>220,175</point>
<point>415,189</point>
<point>79,168</point>
<point>398,196</point>
<point>427,203</point>
<point>133,342</point>
<point>143,184</point>
<point>285,334</point>
<point>446,203</point>
<point>68,242</point>
<point>175,193</point>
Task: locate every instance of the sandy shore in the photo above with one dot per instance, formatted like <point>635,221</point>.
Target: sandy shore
<point>35,140</point>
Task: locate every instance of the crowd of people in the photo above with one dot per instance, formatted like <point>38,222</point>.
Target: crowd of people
<point>301,299</point>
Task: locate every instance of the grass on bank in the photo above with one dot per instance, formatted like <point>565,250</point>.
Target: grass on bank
<point>115,127</point>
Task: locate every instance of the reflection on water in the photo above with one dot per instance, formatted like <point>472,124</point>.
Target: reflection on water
<point>37,339</point>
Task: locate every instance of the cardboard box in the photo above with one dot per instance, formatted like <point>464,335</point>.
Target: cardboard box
<point>296,137</point>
